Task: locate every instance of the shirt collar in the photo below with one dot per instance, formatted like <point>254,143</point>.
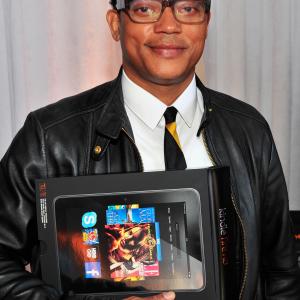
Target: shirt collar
<point>186,103</point>
<point>150,109</point>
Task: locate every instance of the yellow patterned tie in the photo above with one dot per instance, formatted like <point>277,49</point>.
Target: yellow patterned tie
<point>174,158</point>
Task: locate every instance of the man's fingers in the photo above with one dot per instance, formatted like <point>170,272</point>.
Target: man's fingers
<point>163,296</point>
<point>168,296</point>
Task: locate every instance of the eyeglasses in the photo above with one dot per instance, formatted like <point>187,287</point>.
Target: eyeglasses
<point>150,11</point>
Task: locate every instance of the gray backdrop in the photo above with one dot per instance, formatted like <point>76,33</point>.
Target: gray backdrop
<point>50,49</point>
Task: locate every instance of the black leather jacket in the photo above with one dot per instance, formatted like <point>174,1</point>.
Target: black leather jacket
<point>59,140</point>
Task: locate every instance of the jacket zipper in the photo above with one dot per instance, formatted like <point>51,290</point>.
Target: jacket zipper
<point>136,149</point>
<point>237,212</point>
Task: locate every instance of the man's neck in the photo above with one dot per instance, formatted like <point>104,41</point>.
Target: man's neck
<point>166,93</point>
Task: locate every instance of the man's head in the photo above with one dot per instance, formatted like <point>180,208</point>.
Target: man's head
<point>207,4</point>
<point>161,41</point>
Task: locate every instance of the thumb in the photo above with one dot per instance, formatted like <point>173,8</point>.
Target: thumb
<point>168,295</point>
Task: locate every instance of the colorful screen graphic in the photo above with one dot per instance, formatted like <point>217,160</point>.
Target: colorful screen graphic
<point>133,242</point>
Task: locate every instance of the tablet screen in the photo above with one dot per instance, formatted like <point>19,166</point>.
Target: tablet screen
<point>138,241</point>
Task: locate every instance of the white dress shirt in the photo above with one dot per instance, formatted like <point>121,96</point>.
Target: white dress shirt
<point>145,113</point>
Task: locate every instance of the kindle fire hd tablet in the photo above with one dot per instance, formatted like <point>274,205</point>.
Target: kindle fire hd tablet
<point>120,235</point>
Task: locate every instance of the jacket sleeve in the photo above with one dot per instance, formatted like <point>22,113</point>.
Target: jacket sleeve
<point>279,263</point>
<point>23,163</point>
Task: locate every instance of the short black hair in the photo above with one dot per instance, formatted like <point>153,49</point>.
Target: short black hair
<point>207,4</point>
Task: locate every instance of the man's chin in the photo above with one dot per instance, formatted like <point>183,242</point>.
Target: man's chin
<point>161,73</point>
<point>169,78</point>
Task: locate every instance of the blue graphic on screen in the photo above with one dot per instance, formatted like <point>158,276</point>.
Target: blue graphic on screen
<point>116,216</point>
<point>89,219</point>
<point>92,270</point>
<point>129,215</point>
<point>158,244</point>
<point>142,215</point>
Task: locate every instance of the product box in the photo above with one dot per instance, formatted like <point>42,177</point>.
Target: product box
<point>120,235</point>
<point>295,215</point>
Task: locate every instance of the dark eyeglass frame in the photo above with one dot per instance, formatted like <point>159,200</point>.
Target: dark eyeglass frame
<point>124,5</point>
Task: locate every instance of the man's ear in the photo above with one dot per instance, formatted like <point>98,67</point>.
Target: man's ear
<point>113,20</point>
<point>208,20</point>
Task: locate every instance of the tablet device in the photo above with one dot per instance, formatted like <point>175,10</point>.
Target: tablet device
<point>295,215</point>
<point>120,235</point>
<point>133,241</point>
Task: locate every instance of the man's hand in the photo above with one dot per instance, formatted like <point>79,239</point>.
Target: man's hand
<point>163,296</point>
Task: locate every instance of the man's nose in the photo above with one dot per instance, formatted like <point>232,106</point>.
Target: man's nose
<point>167,23</point>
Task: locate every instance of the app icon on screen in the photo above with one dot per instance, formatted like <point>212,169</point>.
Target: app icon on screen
<point>90,236</point>
<point>92,253</point>
<point>92,269</point>
<point>89,219</point>
<point>116,207</point>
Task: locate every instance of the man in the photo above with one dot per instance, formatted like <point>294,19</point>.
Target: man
<point>120,127</point>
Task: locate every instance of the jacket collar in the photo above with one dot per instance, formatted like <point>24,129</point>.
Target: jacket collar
<point>113,116</point>
<point>207,105</point>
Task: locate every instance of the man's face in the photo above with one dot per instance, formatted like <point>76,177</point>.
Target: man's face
<point>164,52</point>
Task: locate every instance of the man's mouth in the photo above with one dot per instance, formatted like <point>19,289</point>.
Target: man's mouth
<point>167,50</point>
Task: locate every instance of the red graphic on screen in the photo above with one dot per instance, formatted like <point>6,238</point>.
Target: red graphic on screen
<point>132,251</point>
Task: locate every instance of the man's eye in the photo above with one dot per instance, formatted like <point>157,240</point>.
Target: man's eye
<point>189,7</point>
<point>143,10</point>
<point>187,10</point>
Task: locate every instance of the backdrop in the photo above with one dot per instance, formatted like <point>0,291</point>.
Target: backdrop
<point>50,49</point>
